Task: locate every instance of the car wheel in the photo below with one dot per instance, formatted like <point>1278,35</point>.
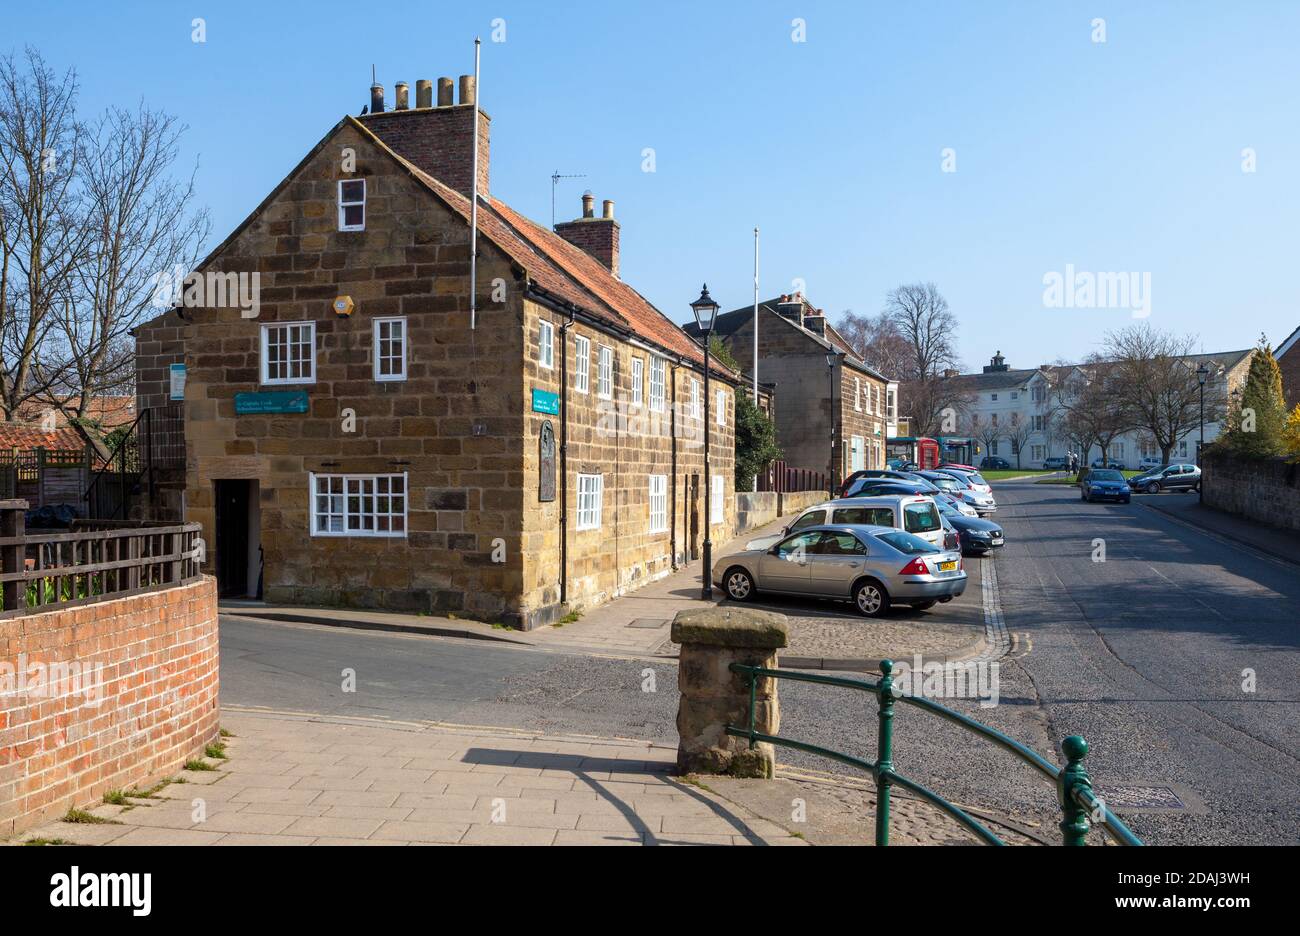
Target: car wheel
<point>924,605</point>
<point>1153,487</point>
<point>870,598</point>
<point>739,586</point>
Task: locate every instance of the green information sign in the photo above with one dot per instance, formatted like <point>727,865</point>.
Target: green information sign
<point>544,401</point>
<point>271,401</point>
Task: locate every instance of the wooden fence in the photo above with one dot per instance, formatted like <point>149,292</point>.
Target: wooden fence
<point>95,561</point>
<point>784,479</point>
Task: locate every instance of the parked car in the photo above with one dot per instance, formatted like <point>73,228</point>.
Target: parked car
<point>1104,484</point>
<point>1112,463</point>
<point>871,486</point>
<point>954,490</point>
<point>878,473</point>
<point>1179,477</point>
<point>992,463</point>
<point>946,465</point>
<point>978,536</point>
<point>978,492</point>
<point>1055,464</point>
<point>1150,463</point>
<point>908,512</point>
<point>872,566</point>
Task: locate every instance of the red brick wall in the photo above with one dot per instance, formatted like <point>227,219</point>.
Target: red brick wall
<point>438,140</point>
<point>1289,365</point>
<point>157,700</point>
<point>596,236</point>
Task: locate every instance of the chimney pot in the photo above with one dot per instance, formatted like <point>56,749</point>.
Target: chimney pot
<point>401,92</point>
<point>376,98</point>
<point>588,205</point>
<point>444,92</point>
<point>607,209</point>
<point>467,90</point>
<point>424,93</point>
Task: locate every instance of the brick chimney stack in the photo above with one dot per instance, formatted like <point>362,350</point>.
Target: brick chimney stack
<point>438,139</point>
<point>596,236</point>
<point>791,307</point>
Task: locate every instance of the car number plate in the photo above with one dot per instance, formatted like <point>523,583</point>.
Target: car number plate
<point>947,566</point>
<point>997,541</point>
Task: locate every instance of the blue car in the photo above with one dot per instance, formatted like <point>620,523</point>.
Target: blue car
<point>1104,484</point>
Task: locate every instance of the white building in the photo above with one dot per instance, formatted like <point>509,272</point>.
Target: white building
<point>1009,412</point>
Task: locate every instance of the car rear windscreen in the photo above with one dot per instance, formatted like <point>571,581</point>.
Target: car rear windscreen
<point>920,518</point>
<point>907,543</point>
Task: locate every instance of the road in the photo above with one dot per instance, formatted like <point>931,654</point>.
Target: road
<point>1142,653</point>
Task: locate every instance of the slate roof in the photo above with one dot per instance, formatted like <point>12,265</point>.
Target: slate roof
<point>728,323</point>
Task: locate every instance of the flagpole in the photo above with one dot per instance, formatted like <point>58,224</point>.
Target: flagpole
<point>473,203</point>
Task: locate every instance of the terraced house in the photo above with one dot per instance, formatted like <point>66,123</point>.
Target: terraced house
<point>368,440</point>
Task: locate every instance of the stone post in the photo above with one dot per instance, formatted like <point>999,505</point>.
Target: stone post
<point>713,697</point>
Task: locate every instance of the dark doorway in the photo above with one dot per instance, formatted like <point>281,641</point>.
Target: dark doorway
<point>238,539</point>
<point>694,502</point>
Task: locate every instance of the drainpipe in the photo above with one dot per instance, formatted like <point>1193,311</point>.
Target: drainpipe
<point>672,395</point>
<point>564,458</point>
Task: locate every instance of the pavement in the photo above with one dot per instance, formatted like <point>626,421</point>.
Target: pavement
<point>1187,508</point>
<point>823,634</point>
<point>293,779</point>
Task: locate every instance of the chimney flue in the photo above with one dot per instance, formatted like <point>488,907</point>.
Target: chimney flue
<point>607,209</point>
<point>376,98</point>
<point>444,92</point>
<point>402,93</point>
<point>588,205</point>
<point>424,93</point>
<point>467,89</point>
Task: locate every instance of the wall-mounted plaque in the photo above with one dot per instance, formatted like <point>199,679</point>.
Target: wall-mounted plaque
<point>546,463</point>
<point>271,401</point>
<point>544,401</point>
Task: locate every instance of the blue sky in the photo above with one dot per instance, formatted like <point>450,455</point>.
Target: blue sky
<point>1113,157</point>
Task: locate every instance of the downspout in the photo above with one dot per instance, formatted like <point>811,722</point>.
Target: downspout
<point>672,395</point>
<point>564,459</point>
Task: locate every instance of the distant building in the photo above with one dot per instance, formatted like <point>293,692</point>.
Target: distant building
<point>1010,411</point>
<point>817,401</point>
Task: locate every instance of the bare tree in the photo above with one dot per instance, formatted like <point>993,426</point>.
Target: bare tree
<point>141,224</point>
<point>1091,406</point>
<point>1160,383</point>
<point>876,340</point>
<point>928,327</point>
<point>42,239</point>
<point>986,431</point>
<point>1018,434</point>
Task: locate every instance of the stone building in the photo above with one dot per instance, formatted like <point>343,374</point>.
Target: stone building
<point>825,395</point>
<point>355,437</point>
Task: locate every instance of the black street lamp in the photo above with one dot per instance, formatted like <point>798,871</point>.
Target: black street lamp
<point>1201,373</point>
<point>706,310</point>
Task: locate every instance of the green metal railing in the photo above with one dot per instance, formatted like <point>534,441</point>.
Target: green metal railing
<point>1080,807</point>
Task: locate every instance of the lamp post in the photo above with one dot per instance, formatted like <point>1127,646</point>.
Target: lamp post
<point>1201,373</point>
<point>706,310</point>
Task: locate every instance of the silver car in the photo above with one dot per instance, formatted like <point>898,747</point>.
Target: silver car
<point>871,566</point>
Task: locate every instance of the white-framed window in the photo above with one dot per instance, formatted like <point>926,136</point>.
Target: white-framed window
<point>582,362</point>
<point>605,373</point>
<point>591,492</point>
<point>658,503</point>
<point>857,453</point>
<point>658,384</point>
<point>697,404</point>
<point>1038,452</point>
<point>358,505</point>
<point>1015,395</point>
<point>720,404</point>
<point>993,397</point>
<point>993,447</point>
<point>1117,451</point>
<point>390,348</point>
<point>857,394</point>
<point>352,204</point>
<point>545,344</point>
<point>289,353</point>
<point>716,494</point>
<point>638,374</point>
<point>890,411</point>
<point>1040,423</point>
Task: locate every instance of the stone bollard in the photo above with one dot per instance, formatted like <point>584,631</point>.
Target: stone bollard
<point>713,697</point>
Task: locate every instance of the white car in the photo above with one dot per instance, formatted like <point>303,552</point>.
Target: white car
<point>978,492</point>
<point>1150,462</point>
<point>913,513</point>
